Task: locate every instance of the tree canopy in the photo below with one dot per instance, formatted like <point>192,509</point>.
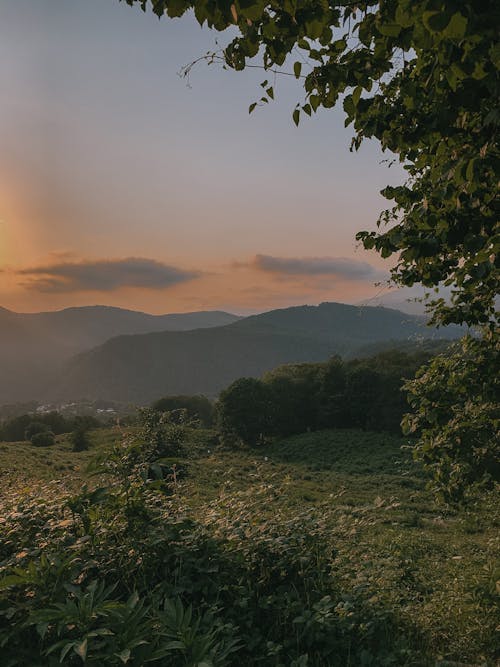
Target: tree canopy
<point>421,76</point>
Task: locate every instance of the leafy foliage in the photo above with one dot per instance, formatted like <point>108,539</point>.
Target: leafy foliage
<point>33,428</point>
<point>80,438</point>
<point>243,411</point>
<point>295,398</point>
<point>23,426</point>
<point>456,403</point>
<point>124,573</point>
<point>43,438</point>
<point>197,407</point>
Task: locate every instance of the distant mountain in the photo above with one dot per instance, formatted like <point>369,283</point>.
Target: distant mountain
<point>33,346</point>
<point>141,368</point>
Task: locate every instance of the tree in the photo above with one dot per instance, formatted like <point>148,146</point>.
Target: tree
<point>332,400</point>
<point>244,411</point>
<point>294,397</point>
<point>363,388</point>
<point>79,438</point>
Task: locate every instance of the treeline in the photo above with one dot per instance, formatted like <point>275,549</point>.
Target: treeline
<point>361,393</point>
<point>294,398</point>
<point>25,426</point>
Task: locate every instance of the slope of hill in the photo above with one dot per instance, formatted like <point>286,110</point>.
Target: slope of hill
<point>34,345</point>
<point>142,368</point>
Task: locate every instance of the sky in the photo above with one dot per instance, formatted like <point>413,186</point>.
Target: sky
<point>125,184</point>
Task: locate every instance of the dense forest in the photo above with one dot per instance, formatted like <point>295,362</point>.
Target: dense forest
<point>295,398</point>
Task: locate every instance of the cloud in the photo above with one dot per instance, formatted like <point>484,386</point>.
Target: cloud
<point>340,267</point>
<point>104,275</point>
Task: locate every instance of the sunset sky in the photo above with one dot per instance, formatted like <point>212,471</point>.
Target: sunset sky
<point>123,184</point>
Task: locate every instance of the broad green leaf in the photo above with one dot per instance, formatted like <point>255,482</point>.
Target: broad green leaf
<point>456,27</point>
<point>389,29</point>
<point>356,94</point>
<point>436,21</point>
<point>469,172</point>
<point>314,101</point>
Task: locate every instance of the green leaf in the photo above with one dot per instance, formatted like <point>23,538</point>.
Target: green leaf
<point>456,27</point>
<point>252,107</point>
<point>435,21</point>
<point>81,649</point>
<point>314,28</point>
<point>469,172</point>
<point>403,16</point>
<point>65,650</point>
<point>356,94</point>
<point>314,100</point>
<point>133,600</point>
<point>389,29</point>
<point>296,116</point>
<point>12,580</point>
<point>270,92</point>
<point>175,8</point>
<point>124,655</point>
<point>297,68</point>
<point>42,628</point>
<point>349,108</point>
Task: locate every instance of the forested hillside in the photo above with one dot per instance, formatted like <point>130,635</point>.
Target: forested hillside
<point>34,345</point>
<point>142,368</point>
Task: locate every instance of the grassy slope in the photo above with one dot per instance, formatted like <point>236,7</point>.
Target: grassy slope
<point>435,568</point>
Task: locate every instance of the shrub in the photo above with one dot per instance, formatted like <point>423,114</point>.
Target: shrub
<point>43,439</point>
<point>79,439</point>
<point>196,407</point>
<point>34,428</point>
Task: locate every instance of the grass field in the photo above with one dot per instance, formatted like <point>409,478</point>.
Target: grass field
<point>433,568</point>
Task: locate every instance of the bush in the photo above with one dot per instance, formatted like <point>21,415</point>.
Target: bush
<point>455,403</point>
<point>196,407</point>
<point>43,439</point>
<point>79,439</point>
<point>34,428</point>
<point>15,429</point>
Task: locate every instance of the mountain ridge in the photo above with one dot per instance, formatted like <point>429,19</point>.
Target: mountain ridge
<point>141,368</point>
<point>34,346</point>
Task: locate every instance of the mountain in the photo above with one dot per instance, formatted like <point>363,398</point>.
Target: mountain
<point>33,346</point>
<point>141,368</point>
